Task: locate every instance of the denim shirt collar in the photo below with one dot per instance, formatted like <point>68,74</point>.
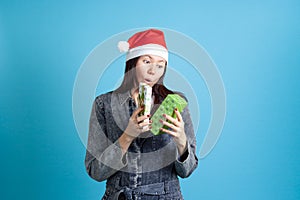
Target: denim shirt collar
<point>123,97</point>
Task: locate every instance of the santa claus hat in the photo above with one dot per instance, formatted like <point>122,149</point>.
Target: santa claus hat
<point>150,42</point>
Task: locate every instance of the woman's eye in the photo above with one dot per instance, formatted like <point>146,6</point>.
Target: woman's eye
<point>160,66</point>
<point>146,61</point>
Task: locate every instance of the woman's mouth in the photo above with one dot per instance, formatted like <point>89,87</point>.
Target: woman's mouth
<point>148,81</point>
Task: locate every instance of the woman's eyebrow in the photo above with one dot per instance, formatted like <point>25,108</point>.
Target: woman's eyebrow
<point>148,56</point>
<point>153,58</point>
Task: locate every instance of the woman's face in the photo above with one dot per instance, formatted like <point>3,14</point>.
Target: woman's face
<point>149,69</point>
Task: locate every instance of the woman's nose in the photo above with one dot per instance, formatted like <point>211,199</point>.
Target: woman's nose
<point>151,70</point>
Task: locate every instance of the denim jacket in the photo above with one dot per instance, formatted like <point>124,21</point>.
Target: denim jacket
<point>151,166</point>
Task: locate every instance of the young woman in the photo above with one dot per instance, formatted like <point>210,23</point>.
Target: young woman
<point>121,149</point>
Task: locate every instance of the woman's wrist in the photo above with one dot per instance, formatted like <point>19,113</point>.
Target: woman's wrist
<point>125,140</point>
<point>182,146</point>
<point>127,137</point>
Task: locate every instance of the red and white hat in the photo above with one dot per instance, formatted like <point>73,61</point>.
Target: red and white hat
<point>151,42</point>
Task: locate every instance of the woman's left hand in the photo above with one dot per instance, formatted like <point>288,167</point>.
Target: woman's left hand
<point>176,130</point>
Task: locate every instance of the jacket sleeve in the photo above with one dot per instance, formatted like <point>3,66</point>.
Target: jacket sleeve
<point>188,162</point>
<point>103,158</point>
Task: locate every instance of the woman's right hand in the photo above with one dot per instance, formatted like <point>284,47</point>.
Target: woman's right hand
<point>137,124</point>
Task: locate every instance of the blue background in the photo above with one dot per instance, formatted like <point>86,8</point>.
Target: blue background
<point>254,44</point>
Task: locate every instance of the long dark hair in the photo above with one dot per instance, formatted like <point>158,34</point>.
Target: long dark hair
<point>159,90</point>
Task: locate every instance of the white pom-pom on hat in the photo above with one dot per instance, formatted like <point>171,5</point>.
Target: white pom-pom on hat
<point>123,46</point>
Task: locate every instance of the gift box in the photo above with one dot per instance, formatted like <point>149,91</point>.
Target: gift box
<point>171,102</point>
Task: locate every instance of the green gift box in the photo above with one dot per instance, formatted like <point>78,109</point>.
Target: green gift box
<point>168,105</point>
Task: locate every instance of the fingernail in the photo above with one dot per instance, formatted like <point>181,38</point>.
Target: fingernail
<point>161,121</point>
<point>150,121</point>
<point>164,115</point>
<point>148,115</point>
<point>176,109</point>
<point>150,127</point>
